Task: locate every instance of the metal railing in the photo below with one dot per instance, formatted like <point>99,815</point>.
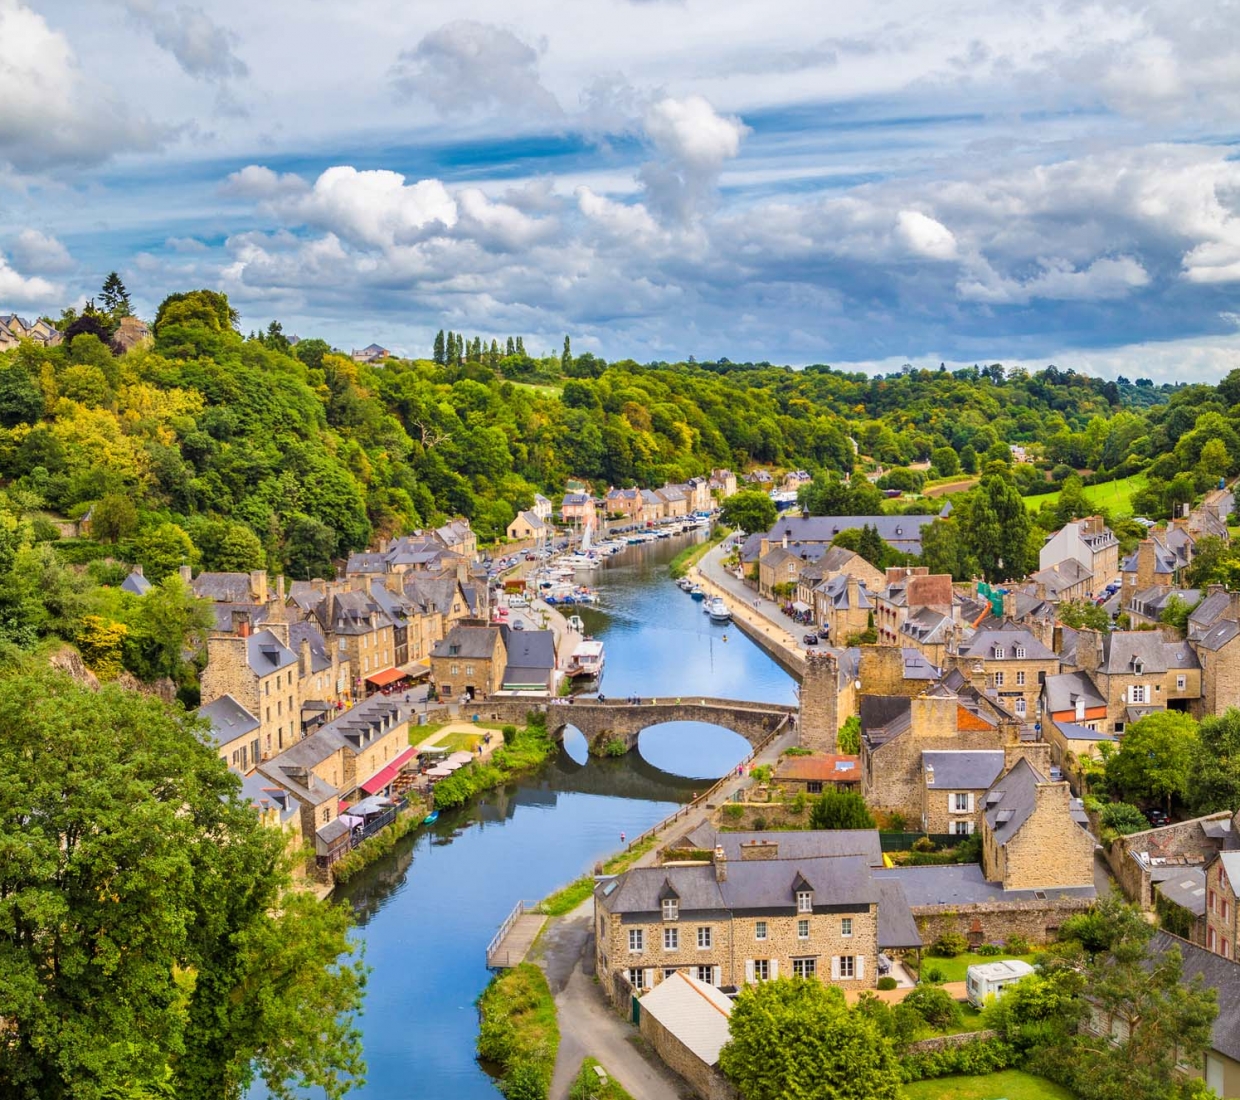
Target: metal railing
<point>518,910</point>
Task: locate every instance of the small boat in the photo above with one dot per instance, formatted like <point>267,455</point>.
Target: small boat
<point>587,660</point>
<point>431,818</point>
<point>718,610</point>
<point>575,623</point>
<point>684,584</point>
<point>697,592</point>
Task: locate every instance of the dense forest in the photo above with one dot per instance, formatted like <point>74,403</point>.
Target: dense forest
<point>204,446</point>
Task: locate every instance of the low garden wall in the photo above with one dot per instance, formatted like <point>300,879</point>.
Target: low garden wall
<point>985,922</point>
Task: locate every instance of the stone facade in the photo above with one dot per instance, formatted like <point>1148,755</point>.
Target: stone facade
<point>706,1081</point>
<point>1129,687</point>
<point>269,690</point>
<point>819,721</point>
<point>1184,843</point>
<point>993,922</point>
<point>461,669</point>
<point>1022,862</point>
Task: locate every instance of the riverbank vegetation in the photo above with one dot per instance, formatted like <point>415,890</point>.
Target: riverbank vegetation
<point>518,1031</point>
<point>527,751</point>
<point>588,1085</point>
<point>687,558</point>
<point>377,846</point>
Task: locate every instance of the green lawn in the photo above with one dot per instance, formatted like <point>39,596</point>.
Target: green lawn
<point>1010,1084</point>
<point>955,969</point>
<point>459,742</point>
<point>1114,496</point>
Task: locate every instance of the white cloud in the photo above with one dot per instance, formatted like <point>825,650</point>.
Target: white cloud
<point>255,181</point>
<point>466,66</point>
<point>625,220</point>
<point>373,208</point>
<point>202,47</point>
<point>924,236</point>
<point>49,113</point>
<point>17,289</point>
<point>695,142</point>
<point>1106,278</point>
<point>40,253</point>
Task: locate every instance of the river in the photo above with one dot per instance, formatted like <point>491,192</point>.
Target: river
<point>426,912</point>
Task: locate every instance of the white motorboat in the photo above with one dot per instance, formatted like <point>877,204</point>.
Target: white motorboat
<point>718,611</point>
<point>576,624</point>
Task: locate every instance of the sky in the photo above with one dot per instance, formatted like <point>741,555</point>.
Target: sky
<point>799,182</point>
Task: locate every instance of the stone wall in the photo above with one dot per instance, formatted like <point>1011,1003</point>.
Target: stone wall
<point>1184,838</point>
<point>993,922</point>
<point>706,1081</point>
<point>1050,849</point>
<point>881,672</point>
<point>819,720</point>
<point>946,1042</point>
<point>777,815</point>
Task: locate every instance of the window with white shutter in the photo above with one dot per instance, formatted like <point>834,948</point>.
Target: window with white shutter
<point>860,967</point>
<point>749,971</point>
<point>835,968</point>
<point>774,968</point>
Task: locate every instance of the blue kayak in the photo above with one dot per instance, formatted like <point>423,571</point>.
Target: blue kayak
<point>431,818</point>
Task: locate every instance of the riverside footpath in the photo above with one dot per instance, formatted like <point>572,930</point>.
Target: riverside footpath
<point>565,951</point>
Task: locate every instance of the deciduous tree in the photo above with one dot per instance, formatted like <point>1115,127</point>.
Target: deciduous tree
<point>840,810</point>
<point>750,511</point>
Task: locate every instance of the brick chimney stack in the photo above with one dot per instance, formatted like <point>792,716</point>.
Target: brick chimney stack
<point>721,864</point>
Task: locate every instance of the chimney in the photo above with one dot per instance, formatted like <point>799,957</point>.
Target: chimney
<point>304,659</point>
<point>1088,650</point>
<point>187,574</point>
<point>1009,605</point>
<point>763,547</point>
<point>138,569</point>
<point>1145,564</point>
<point>785,540</point>
<point>258,585</point>
<point>854,592</point>
<point>280,594</point>
<point>721,864</point>
<point>241,623</point>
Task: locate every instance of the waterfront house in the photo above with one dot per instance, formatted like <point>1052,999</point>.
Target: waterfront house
<point>234,732</point>
<point>578,509</point>
<point>624,504</point>
<point>259,671</point>
<point>469,663</point>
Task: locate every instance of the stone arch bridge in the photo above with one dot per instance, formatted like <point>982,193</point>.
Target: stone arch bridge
<point>604,723</point>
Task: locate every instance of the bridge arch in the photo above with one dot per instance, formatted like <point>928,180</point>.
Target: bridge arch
<point>693,750</point>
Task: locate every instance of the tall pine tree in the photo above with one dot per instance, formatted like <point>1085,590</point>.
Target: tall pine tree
<point>512,348</point>
<point>115,297</point>
<point>566,359</point>
<point>520,345</point>
<point>440,354</point>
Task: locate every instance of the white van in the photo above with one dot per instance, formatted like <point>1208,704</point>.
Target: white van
<point>518,602</point>
<point>984,980</point>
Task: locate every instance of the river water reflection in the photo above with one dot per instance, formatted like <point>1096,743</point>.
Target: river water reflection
<point>427,911</point>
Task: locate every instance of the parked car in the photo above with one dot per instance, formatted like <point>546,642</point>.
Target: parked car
<point>810,639</point>
<point>1157,818</point>
<point>518,625</point>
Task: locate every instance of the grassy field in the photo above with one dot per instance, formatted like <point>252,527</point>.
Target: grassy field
<point>1010,1084</point>
<point>1114,496</point>
<point>459,742</point>
<point>955,969</point>
<point>587,1086</point>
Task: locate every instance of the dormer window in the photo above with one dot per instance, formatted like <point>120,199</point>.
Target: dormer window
<point>671,909</point>
<point>805,901</point>
<point>1000,652</point>
<point>1020,652</point>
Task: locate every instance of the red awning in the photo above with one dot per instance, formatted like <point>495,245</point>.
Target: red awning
<point>387,676</point>
<point>386,774</point>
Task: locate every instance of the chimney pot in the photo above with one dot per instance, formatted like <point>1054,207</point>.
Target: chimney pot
<point>721,864</point>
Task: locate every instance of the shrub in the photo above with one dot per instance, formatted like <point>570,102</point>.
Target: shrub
<point>949,945</point>
<point>517,1030</point>
<point>797,805</point>
<point>980,1057</point>
<point>887,982</point>
<point>988,949</point>
<point>935,1006</point>
<point>510,734</point>
<point>1016,945</point>
<point>733,811</point>
<point>1123,818</point>
<point>615,747</point>
<point>759,823</point>
<point>933,975</point>
<point>923,844</point>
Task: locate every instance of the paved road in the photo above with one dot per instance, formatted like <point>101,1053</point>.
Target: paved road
<point>754,608</point>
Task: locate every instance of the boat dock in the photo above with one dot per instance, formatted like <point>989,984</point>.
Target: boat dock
<point>510,945</point>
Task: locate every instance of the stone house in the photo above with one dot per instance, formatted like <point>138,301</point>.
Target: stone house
<point>902,532</point>
<point>624,503</point>
<point>14,329</point>
<point>792,481</point>
<point>259,671</point>
<point>955,786</point>
<point>469,663</point>
<point>675,502</point>
<point>777,567</point>
<point>1089,542</point>
<point>356,624</point>
<point>822,771</point>
<point>530,661</point>
<point>653,506</point>
<point>1065,580</point>
<point>527,527</point>
<point>1033,835</point>
<point>542,508</point>
<point>1141,860</point>
<point>1137,673</point>
<point>234,731</point>
<point>402,612</point>
<point>1071,741</point>
<point>722,483</point>
<point>1010,665</point>
<point>239,596</point>
<point>842,608</point>
<point>897,730</point>
<point>735,921</point>
<point>697,492</point>
<point>907,591</point>
<point>1218,651</point>
<point>1145,606</point>
<point>686,1022</point>
<point>758,477</point>
<point>1159,559</point>
<point>833,563</point>
<point>323,676</point>
<point>371,353</point>
<point>1223,904</point>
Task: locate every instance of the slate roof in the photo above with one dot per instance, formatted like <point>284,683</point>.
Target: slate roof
<point>896,927</point>
<point>884,717</point>
<point>432,593</point>
<point>355,612</point>
<point>223,587</point>
<point>964,884</point>
<point>1208,612</point>
<point>264,793</point>
<point>987,644</point>
<point>1016,801</point>
<point>1219,635</point>
<point>1064,574</point>
<point>1187,889</point>
<point>695,1013</point>
<point>370,561</point>
<point>1063,690</point>
<point>927,626</point>
<point>962,769</point>
<point>836,592</point>
<point>756,884</point>
<point>903,532</point>
<point>1123,650</point>
<point>308,632</point>
<point>809,844</point>
<point>531,520</point>
<point>476,642</point>
<point>136,584</point>
<point>1221,975</point>
<point>1074,732</point>
<point>395,606</point>
<point>265,653</point>
<point>229,720</point>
